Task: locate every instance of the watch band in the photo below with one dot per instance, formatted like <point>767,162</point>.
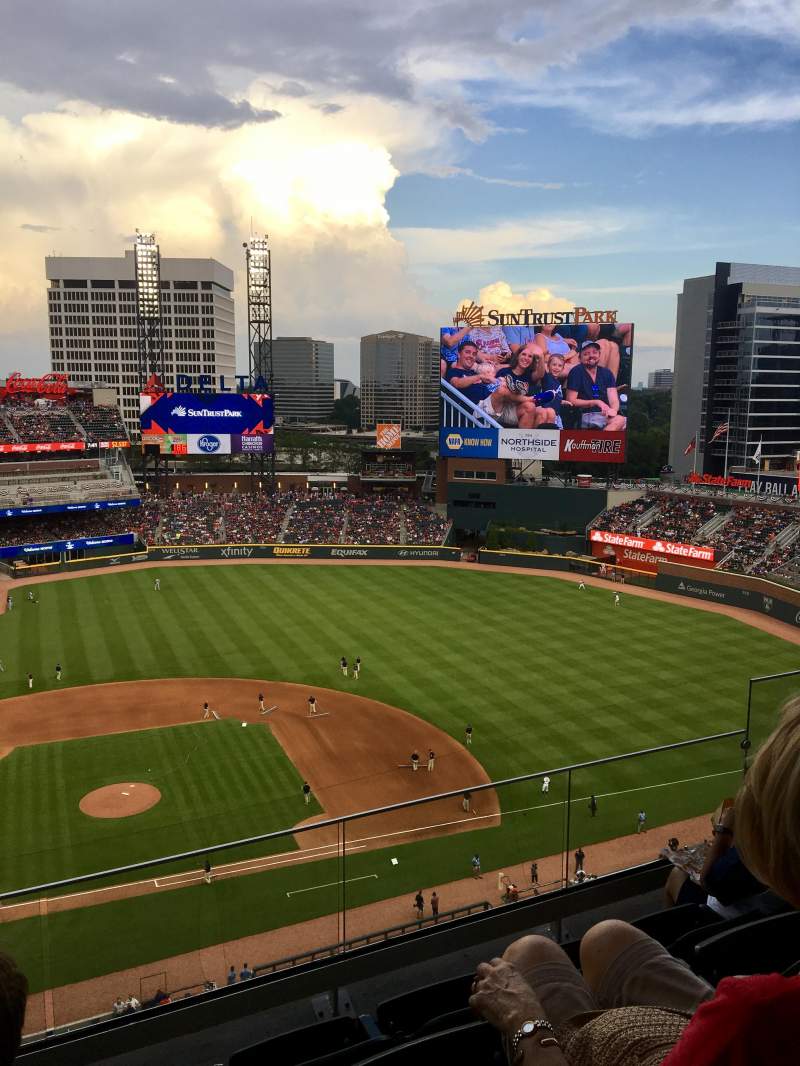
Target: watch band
<point>527,1029</point>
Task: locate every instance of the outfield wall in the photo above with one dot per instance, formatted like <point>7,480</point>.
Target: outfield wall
<point>735,590</point>
<point>174,553</point>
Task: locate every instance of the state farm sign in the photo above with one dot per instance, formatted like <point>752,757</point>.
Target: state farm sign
<point>703,556</point>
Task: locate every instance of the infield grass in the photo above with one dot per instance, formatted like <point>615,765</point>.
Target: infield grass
<point>546,674</point>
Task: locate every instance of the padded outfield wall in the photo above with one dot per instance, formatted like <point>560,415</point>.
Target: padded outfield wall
<point>733,590</point>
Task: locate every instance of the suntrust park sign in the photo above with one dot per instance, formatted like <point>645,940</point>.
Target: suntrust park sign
<point>664,547</point>
<point>474,315</point>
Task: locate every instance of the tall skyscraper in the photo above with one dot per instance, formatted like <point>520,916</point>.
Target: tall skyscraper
<point>660,379</point>
<point>302,370</point>
<point>399,380</point>
<point>92,309</point>
<point>737,361</point>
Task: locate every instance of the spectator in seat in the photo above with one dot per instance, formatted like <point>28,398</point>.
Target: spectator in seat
<point>635,1004</point>
<point>13,997</point>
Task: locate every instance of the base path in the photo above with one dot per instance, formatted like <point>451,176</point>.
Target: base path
<point>354,755</point>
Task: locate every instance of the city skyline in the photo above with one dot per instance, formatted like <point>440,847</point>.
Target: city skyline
<point>555,158</point>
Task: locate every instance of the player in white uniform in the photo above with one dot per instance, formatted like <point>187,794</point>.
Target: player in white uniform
<point>581,584</point>
<point>616,599</point>
<point>157,585</point>
<point>545,784</point>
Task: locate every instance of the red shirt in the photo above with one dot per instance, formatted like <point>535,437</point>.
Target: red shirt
<point>750,1020</point>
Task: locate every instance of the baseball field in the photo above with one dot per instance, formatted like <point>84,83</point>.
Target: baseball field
<point>547,675</point>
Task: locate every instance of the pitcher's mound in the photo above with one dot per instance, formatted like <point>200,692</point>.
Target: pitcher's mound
<point>120,801</point>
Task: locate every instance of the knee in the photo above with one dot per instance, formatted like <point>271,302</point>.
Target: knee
<point>602,944</point>
<point>533,950</point>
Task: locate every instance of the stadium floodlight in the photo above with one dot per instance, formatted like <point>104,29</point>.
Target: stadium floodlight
<point>259,308</point>
<point>149,328</point>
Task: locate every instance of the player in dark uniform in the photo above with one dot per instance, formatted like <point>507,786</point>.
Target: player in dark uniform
<point>343,664</point>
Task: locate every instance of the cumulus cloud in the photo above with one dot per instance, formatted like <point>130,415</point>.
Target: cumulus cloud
<point>501,296</point>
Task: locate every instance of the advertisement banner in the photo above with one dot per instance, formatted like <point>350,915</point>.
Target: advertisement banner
<point>387,435</point>
<point>765,484</point>
<point>43,448</point>
<point>567,374</point>
<point>639,559</point>
<point>23,550</point>
<point>675,552</point>
<point>417,553</point>
<point>253,443</point>
<point>56,508</point>
<point>592,446</point>
<point>528,444</point>
<point>468,443</point>
<point>214,413</point>
<point>208,444</point>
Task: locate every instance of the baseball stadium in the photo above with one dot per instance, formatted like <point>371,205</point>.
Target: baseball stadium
<point>271,738</point>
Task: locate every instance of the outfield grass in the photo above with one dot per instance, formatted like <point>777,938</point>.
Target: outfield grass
<point>547,675</point>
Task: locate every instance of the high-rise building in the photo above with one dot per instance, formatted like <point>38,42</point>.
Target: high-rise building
<point>344,387</point>
<point>660,380</point>
<point>737,361</point>
<point>92,309</point>
<point>399,380</point>
<point>302,375</point>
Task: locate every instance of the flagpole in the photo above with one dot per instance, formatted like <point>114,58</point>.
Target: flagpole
<point>696,450</point>
<point>758,478</point>
<point>727,438</point>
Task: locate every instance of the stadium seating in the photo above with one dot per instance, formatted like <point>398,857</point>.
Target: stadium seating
<point>768,945</point>
<point>406,1015</point>
<point>336,1042</point>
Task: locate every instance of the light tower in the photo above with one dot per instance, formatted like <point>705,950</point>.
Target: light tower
<point>149,328</point>
<point>259,308</point>
<point>259,331</point>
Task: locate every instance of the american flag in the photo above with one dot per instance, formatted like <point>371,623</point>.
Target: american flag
<point>690,447</point>
<point>720,431</point>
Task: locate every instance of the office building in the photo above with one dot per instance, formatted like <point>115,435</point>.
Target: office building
<point>302,375</point>
<point>344,387</point>
<point>660,380</point>
<point>737,360</point>
<point>399,380</point>
<point>92,310</point>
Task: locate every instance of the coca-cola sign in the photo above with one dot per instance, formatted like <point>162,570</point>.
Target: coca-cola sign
<point>51,386</point>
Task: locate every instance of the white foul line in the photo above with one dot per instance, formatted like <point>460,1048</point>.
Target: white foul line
<point>257,864</point>
<point>364,877</point>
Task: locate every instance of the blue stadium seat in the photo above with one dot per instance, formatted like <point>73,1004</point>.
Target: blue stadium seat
<point>405,1015</point>
<point>768,945</point>
<point>477,1044</point>
<point>336,1042</point>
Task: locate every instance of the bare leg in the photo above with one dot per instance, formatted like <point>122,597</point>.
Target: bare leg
<point>561,990</point>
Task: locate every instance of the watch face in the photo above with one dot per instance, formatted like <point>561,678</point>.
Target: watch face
<point>527,1028</point>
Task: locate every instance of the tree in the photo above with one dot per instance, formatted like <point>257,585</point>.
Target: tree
<point>347,411</point>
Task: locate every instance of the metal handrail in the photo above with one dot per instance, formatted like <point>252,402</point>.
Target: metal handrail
<point>358,815</point>
<point>367,938</point>
<point>465,411</point>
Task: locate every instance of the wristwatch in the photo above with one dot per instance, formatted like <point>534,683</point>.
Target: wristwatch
<point>528,1029</point>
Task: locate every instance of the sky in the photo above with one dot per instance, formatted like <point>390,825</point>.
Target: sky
<point>402,156</point>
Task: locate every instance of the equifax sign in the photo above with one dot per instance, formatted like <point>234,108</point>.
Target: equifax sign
<point>665,547</point>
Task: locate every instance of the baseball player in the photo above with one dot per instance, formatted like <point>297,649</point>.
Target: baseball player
<point>431,759</point>
<point>207,872</point>
<point>30,680</point>
<point>157,585</point>
<point>31,597</point>
<point>468,735</point>
<point>343,664</point>
<point>545,784</point>
<point>2,667</point>
<point>58,671</point>
<point>581,584</point>
<point>261,708</point>
<point>476,865</point>
<point>357,667</point>
<point>208,712</point>
<point>415,761</point>
<point>306,792</point>
<point>10,602</point>
<point>616,599</point>
<point>312,704</point>
<point>641,819</point>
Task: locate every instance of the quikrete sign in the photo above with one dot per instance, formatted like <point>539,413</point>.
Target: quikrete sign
<point>473,315</point>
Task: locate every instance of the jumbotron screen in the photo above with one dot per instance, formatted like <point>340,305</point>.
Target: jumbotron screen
<point>555,392</point>
<point>185,423</point>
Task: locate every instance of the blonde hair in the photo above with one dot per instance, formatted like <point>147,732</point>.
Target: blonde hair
<point>768,809</point>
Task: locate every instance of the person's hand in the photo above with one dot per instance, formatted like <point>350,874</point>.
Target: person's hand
<point>604,409</point>
<point>502,996</point>
<point>728,818</point>
<point>486,371</point>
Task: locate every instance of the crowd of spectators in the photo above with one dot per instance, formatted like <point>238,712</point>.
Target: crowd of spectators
<point>211,518</point>
<point>317,521</point>
<point>26,420</point>
<point>100,422</point>
<point>747,534</point>
<point>624,517</point>
<point>424,526</point>
<point>7,434</point>
<point>374,520</point>
<point>680,519</point>
<point>39,426</point>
